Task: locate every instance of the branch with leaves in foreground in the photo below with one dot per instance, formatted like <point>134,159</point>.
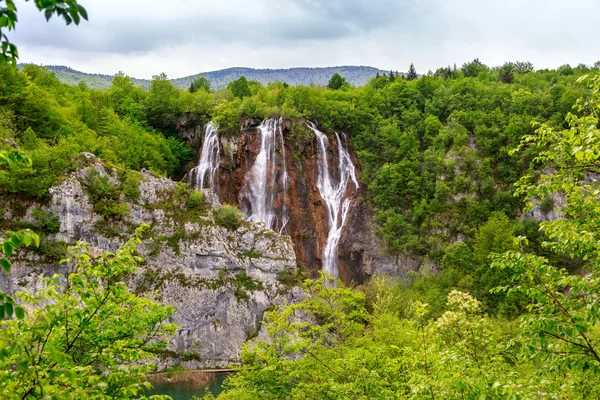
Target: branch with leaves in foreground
<point>85,335</point>
<point>69,10</point>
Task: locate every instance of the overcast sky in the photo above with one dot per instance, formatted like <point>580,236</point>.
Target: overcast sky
<point>185,37</point>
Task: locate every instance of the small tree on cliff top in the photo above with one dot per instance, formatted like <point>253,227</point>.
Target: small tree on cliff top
<point>240,87</point>
<point>336,82</point>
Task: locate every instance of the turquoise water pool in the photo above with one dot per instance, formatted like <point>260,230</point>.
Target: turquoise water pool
<point>185,391</point>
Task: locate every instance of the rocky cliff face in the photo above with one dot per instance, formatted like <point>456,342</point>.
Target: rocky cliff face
<point>220,281</point>
<point>360,252</point>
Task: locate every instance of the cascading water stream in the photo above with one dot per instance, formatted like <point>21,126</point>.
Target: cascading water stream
<point>261,186</point>
<point>333,190</point>
<point>204,174</point>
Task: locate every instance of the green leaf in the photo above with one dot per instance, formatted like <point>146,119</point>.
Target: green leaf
<point>5,264</point>
<point>7,249</point>
<point>9,309</point>
<point>16,240</point>
<point>19,312</point>
<point>82,11</point>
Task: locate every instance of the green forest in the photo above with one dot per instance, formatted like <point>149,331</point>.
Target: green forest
<point>459,153</point>
<point>456,163</point>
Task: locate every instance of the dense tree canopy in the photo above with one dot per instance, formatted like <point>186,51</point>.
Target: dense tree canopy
<point>446,189</point>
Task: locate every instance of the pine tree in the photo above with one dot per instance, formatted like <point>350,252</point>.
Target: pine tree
<point>412,73</point>
<point>392,77</point>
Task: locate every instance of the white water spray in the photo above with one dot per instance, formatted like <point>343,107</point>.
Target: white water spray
<point>261,185</point>
<point>203,175</point>
<point>333,190</point>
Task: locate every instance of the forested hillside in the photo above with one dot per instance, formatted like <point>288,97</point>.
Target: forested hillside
<point>446,185</point>
<point>357,76</point>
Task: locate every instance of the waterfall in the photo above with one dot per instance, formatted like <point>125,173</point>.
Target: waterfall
<point>333,189</point>
<point>261,184</point>
<point>204,174</point>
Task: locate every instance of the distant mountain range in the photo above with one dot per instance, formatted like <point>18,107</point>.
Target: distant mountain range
<point>357,76</point>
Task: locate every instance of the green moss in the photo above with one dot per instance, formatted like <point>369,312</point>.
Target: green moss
<point>252,253</point>
<point>243,284</point>
<point>173,240</point>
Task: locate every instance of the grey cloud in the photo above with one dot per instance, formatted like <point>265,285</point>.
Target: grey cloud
<point>187,36</point>
<point>280,23</point>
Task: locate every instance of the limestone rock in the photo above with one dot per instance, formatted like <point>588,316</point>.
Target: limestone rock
<point>219,281</point>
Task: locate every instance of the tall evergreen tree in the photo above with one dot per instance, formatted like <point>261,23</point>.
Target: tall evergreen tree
<point>412,73</point>
<point>392,77</point>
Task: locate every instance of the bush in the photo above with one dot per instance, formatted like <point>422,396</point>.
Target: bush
<point>114,210</point>
<point>196,200</point>
<point>229,217</point>
<point>99,186</point>
<point>547,205</point>
<point>131,185</point>
<point>105,196</point>
<point>46,221</point>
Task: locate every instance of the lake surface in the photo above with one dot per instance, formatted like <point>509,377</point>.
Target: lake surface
<point>185,390</point>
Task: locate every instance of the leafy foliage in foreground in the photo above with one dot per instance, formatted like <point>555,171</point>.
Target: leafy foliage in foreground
<point>69,10</point>
<point>563,323</point>
<point>85,335</point>
<point>331,347</point>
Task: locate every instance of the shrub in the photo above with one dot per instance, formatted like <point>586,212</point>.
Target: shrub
<point>131,185</point>
<point>547,205</point>
<point>112,209</point>
<point>196,200</point>
<point>46,221</point>
<point>99,186</point>
<point>105,196</point>
<point>229,217</point>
